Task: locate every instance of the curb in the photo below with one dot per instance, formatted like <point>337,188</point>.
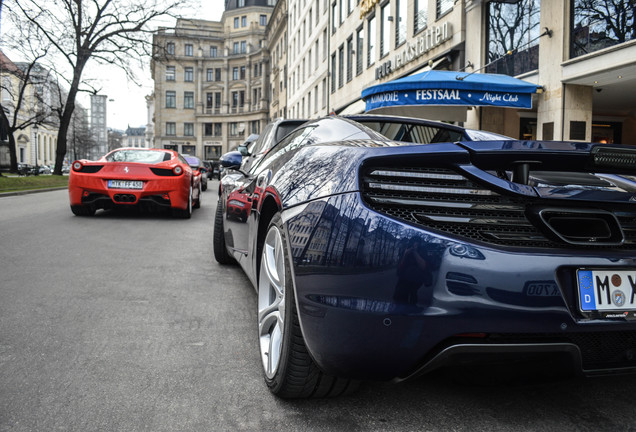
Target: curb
<point>30,191</point>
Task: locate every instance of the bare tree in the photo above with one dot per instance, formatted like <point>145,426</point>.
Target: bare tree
<point>115,32</point>
<point>512,27</point>
<point>602,23</point>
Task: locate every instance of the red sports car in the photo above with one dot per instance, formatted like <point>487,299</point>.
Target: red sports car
<point>152,178</point>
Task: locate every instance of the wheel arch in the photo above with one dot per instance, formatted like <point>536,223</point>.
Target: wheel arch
<point>268,209</point>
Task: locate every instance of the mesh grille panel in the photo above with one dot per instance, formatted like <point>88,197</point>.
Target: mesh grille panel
<point>442,199</point>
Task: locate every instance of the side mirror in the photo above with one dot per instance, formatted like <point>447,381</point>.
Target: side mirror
<point>243,150</point>
<point>203,169</point>
<point>231,160</point>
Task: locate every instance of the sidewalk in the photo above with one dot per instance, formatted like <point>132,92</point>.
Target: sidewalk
<point>29,191</point>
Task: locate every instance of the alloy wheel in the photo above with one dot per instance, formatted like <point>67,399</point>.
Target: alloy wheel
<point>271,302</point>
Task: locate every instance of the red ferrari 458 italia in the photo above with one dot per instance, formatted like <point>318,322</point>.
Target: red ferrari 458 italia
<point>150,178</point>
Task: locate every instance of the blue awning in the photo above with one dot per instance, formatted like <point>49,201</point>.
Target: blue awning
<point>451,88</point>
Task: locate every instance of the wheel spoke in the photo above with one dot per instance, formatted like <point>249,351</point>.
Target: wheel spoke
<point>271,302</point>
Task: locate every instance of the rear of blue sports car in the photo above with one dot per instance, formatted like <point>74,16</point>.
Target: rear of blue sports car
<point>470,252</point>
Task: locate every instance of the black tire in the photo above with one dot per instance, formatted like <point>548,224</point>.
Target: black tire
<point>295,374</point>
<point>220,250</point>
<point>81,210</point>
<point>197,204</point>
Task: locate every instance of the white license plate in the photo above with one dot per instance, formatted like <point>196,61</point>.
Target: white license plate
<point>607,290</point>
<point>125,184</point>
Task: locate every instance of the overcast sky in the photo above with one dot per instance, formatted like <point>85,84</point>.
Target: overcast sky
<point>128,104</point>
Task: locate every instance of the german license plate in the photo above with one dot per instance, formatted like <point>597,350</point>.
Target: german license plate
<point>607,290</point>
<point>125,184</point>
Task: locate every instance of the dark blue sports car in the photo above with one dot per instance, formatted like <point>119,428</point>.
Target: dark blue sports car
<point>385,247</point>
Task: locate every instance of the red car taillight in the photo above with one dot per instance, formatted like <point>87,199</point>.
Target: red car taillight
<point>77,166</point>
<point>177,170</point>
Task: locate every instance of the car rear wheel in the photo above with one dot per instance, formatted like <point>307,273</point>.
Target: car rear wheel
<point>81,210</point>
<point>289,370</point>
<point>187,212</point>
<point>220,251</point>
<point>198,203</point>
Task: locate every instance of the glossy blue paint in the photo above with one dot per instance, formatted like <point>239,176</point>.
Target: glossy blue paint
<point>379,296</point>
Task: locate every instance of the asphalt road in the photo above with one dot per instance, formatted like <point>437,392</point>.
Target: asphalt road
<point>124,322</point>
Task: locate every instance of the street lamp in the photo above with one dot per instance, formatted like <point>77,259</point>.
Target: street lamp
<point>36,142</point>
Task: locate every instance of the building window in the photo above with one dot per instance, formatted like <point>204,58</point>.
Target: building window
<point>333,72</point>
<point>188,74</point>
<point>241,3</point>
<point>242,72</point>
<point>188,100</point>
<point>217,74</point>
<point>341,66</point>
<point>595,28</point>
<point>189,51</point>
<point>510,28</point>
<point>244,21</point>
<point>212,152</point>
<point>359,49</point>
<point>385,31</point>
<point>444,6</point>
<point>170,48</point>
<point>217,100</point>
<point>334,13</point>
<point>171,99</point>
<point>255,127</point>
<point>400,22</point>
<point>213,51</point>
<point>350,58</point>
<point>235,49</point>
<point>217,129</point>
<point>421,15</point>
<point>207,129</point>
<point>243,47</point>
<point>209,99</point>
<point>263,20</point>
<point>371,41</point>
<point>234,129</point>
<point>171,128</point>
<point>235,73</point>
<point>188,129</point>
<point>170,73</point>
<point>209,74</point>
<point>236,22</point>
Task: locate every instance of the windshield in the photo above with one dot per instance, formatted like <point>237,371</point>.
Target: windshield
<point>478,135</point>
<point>413,133</point>
<point>141,156</point>
<point>193,161</point>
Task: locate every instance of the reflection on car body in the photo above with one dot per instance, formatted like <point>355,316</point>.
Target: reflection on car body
<point>385,247</point>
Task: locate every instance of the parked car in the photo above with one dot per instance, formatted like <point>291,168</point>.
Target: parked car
<point>44,169</point>
<point>198,166</point>
<point>27,170</point>
<point>385,247</point>
<point>125,177</point>
<point>212,167</point>
<point>273,132</point>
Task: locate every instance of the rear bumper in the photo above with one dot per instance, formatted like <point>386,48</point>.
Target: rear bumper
<point>364,316</point>
<point>171,192</point>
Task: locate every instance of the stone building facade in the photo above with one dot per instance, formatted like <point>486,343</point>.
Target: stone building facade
<point>212,80</point>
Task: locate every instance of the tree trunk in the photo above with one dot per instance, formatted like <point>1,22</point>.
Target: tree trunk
<point>67,115</point>
<point>12,150</point>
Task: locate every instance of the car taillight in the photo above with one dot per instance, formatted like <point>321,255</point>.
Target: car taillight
<point>77,166</point>
<point>177,170</point>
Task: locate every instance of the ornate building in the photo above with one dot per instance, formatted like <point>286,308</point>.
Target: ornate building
<point>212,80</point>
